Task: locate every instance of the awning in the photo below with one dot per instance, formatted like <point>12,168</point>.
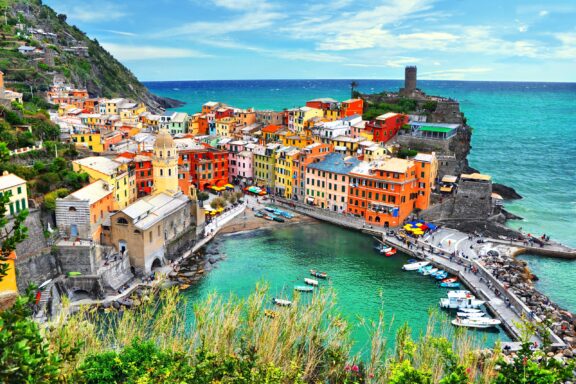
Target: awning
<point>446,189</point>
<point>449,179</point>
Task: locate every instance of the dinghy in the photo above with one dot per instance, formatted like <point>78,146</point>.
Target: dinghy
<point>450,280</point>
<point>470,314</point>
<point>315,273</point>
<point>450,285</point>
<point>281,302</point>
<point>415,266</point>
<point>303,288</point>
<point>311,282</point>
<point>430,271</point>
<point>476,322</point>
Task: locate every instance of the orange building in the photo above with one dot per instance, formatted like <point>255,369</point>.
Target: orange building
<point>8,287</point>
<point>351,107</point>
<point>270,133</point>
<point>386,126</point>
<point>385,192</point>
<point>310,154</point>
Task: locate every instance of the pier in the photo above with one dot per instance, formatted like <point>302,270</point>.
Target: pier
<point>503,304</point>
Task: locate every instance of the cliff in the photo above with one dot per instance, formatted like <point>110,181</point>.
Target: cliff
<point>62,49</point>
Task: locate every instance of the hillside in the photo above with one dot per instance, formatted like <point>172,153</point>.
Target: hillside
<point>61,49</point>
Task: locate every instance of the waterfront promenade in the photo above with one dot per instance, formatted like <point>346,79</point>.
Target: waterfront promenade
<point>453,251</point>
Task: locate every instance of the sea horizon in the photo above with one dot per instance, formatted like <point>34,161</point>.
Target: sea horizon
<point>363,79</point>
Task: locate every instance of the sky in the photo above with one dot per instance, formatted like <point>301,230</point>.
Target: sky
<point>500,40</point>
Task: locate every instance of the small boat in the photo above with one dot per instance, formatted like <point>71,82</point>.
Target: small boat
<point>440,275</point>
<point>303,288</point>
<point>450,285</point>
<point>390,252</point>
<point>410,261</point>
<point>415,266</point>
<point>270,313</point>
<point>470,310</point>
<point>315,273</point>
<point>450,280</point>
<point>281,302</point>
<point>429,271</point>
<point>259,214</point>
<point>425,268</point>
<point>278,219</point>
<point>311,282</point>
<point>460,299</point>
<point>476,322</point>
<point>268,217</point>
<point>286,215</point>
<point>470,314</point>
<point>269,209</point>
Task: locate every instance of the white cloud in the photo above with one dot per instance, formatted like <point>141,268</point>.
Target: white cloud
<point>454,74</point>
<point>121,33</point>
<point>543,13</point>
<point>306,56</point>
<point>147,52</point>
<point>102,12</point>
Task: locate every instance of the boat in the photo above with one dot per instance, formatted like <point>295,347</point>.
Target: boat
<point>450,280</point>
<point>269,209</point>
<point>415,266</point>
<point>470,314</point>
<point>259,214</point>
<point>286,214</point>
<point>270,313</point>
<point>450,285</point>
<point>281,302</point>
<point>315,273</point>
<point>459,300</point>
<point>303,288</point>
<point>470,310</point>
<point>440,275</point>
<point>268,217</point>
<point>476,322</point>
<point>429,271</point>
<point>410,261</point>
<point>425,268</point>
<point>311,282</point>
<point>390,252</point>
<point>184,286</point>
<point>278,219</point>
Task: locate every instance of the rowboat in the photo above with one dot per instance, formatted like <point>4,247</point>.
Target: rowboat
<point>303,288</point>
<point>315,273</point>
<point>415,266</point>
<point>476,322</point>
<point>311,282</point>
<point>286,214</point>
<point>281,302</point>
<point>269,209</point>
<point>184,286</point>
<point>450,285</point>
<point>440,275</point>
<point>470,314</point>
<point>390,252</point>
<point>259,214</point>
<point>268,217</point>
<point>429,271</point>
<point>450,280</point>
<point>278,219</point>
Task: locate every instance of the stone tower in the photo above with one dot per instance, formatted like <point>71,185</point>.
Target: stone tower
<point>410,79</point>
<point>165,164</point>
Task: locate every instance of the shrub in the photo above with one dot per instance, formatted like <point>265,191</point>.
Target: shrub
<point>218,202</point>
<point>50,198</point>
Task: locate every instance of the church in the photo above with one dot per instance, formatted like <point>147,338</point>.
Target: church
<point>147,229</point>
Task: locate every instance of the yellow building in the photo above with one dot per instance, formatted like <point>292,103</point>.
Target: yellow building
<point>8,287</point>
<point>284,171</point>
<point>225,127</point>
<point>346,144</point>
<point>112,106</point>
<point>114,173</point>
<point>89,140</point>
<point>15,187</point>
<point>374,152</point>
<point>194,124</point>
<point>296,141</point>
<point>165,164</point>
<point>331,114</point>
<point>297,117</point>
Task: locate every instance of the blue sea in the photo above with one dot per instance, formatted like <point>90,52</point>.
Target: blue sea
<point>524,136</point>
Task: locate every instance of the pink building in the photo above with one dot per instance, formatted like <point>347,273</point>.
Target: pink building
<point>327,182</point>
<point>240,165</point>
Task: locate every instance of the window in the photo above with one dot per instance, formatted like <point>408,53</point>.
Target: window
<point>150,236</point>
<point>19,190</point>
<point>122,221</point>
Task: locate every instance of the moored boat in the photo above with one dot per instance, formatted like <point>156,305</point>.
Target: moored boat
<point>269,209</point>
<point>470,310</point>
<point>259,214</point>
<point>315,273</point>
<point>476,322</point>
<point>450,285</point>
<point>311,282</point>
<point>450,280</point>
<point>459,300</point>
<point>470,314</point>
<point>303,288</point>
<point>278,219</point>
<point>415,266</point>
<point>281,302</point>
<point>429,271</point>
<point>440,275</point>
<point>390,252</point>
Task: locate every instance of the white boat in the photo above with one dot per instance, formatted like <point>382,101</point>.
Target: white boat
<point>476,322</point>
<point>311,282</point>
<point>430,271</point>
<point>470,314</point>
<point>470,310</point>
<point>415,266</point>
<point>459,300</point>
<point>282,302</point>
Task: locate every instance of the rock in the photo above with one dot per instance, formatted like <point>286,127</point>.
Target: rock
<point>568,353</point>
<point>507,193</point>
<point>212,260</point>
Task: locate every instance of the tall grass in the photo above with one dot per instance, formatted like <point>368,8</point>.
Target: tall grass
<point>309,338</point>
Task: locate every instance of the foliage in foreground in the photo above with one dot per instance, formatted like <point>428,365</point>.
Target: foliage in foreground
<point>232,341</point>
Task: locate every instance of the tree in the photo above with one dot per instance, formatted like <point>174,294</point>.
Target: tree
<point>218,202</point>
<point>353,86</point>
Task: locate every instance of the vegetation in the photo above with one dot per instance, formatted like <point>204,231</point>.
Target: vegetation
<point>218,202</point>
<point>403,105</point>
<point>404,153</point>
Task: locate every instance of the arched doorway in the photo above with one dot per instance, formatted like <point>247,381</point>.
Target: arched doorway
<point>122,246</point>
<point>156,264</point>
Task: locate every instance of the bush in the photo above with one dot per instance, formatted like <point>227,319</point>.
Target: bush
<point>218,202</point>
<point>49,203</point>
<point>404,153</point>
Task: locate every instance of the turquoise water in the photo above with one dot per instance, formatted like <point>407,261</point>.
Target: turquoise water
<point>524,136</point>
<point>359,275</point>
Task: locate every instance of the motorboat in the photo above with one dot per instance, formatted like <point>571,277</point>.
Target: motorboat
<point>415,266</point>
<point>425,268</point>
<point>440,275</point>
<point>278,219</point>
<point>476,322</point>
<point>315,273</point>
<point>390,252</point>
<point>429,271</point>
<point>303,288</point>
<point>450,285</point>
<point>459,293</point>
<point>470,314</point>
<point>470,310</point>
<point>269,209</point>
<point>459,300</point>
<point>281,302</point>
<point>311,282</point>
<point>450,280</point>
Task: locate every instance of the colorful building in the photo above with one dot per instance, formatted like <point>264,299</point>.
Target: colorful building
<point>270,118</point>
<point>385,192</point>
<point>296,141</point>
<point>8,286</point>
<point>351,107</point>
<point>347,144</point>
<point>312,153</point>
<point>240,166</point>
<point>270,133</point>
<point>165,164</point>
<point>284,175</point>
<point>327,181</point>
<point>226,126</point>
<point>386,126</point>
<point>297,117</point>
<point>264,163</point>
<point>15,187</point>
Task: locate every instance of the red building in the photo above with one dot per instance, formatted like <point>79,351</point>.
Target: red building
<point>144,174</point>
<point>202,167</point>
<point>223,112</point>
<point>351,107</point>
<point>323,103</point>
<point>386,126</point>
<point>203,125</point>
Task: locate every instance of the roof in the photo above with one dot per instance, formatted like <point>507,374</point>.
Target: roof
<point>100,164</point>
<point>10,180</point>
<point>336,163</point>
<point>449,179</point>
<point>475,176</point>
<point>92,192</point>
<point>187,143</point>
<point>427,128</point>
<point>424,157</point>
<point>393,164</point>
<point>164,140</point>
<point>388,115</point>
<point>271,129</point>
<point>151,209</point>
<point>325,100</point>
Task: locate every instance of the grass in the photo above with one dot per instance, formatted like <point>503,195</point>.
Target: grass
<point>311,340</point>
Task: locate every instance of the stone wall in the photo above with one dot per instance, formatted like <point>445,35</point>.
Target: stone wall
<point>36,241</point>
<point>116,274</point>
<point>473,200</point>
<point>36,269</point>
<point>83,258</point>
<point>183,242</point>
